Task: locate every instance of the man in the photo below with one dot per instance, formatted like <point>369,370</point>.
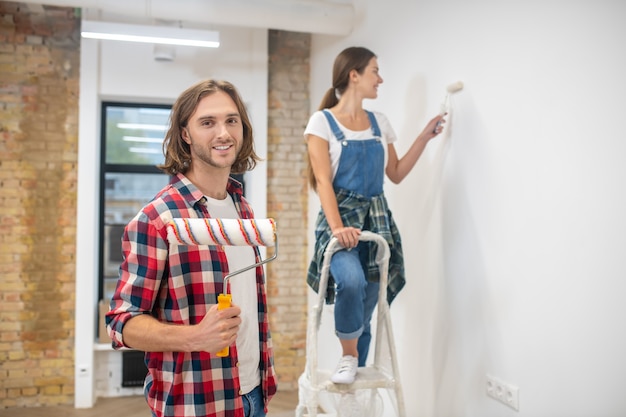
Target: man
<point>166,299</point>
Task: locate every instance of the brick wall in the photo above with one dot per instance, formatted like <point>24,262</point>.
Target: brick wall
<point>39,62</point>
<point>288,112</point>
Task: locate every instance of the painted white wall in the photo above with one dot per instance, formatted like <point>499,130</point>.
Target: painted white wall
<point>128,72</point>
<point>512,222</point>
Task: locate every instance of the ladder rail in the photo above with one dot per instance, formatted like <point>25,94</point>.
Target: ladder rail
<point>383,320</point>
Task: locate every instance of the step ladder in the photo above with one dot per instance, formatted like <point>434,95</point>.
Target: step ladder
<point>369,379</point>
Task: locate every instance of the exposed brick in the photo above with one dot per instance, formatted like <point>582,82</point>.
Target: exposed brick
<point>36,342</point>
<point>29,392</point>
<point>287,197</point>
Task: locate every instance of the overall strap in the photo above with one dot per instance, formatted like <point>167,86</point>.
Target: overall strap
<point>333,125</point>
<point>374,123</point>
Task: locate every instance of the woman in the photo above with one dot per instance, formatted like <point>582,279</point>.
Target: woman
<point>350,150</point>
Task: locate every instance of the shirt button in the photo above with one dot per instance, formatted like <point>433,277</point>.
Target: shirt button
<point>240,392</point>
<point>237,364</point>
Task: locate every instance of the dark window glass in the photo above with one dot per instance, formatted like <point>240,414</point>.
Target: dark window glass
<point>134,134</point>
<point>132,147</point>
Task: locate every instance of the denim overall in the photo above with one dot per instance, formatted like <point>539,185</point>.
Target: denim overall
<point>361,170</point>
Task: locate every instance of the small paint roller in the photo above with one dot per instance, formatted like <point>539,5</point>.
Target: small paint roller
<point>445,104</point>
<point>226,232</point>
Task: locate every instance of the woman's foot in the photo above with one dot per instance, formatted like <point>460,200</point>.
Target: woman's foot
<point>346,370</point>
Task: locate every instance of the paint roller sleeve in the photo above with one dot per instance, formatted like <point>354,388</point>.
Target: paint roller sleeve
<point>454,87</point>
<point>227,232</point>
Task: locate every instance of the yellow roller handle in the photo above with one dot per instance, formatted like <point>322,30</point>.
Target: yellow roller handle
<point>223,301</point>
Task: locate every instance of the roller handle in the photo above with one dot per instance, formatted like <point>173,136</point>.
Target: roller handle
<point>437,126</point>
<point>452,88</point>
<point>223,301</point>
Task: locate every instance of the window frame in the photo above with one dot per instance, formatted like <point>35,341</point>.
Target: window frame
<point>123,168</point>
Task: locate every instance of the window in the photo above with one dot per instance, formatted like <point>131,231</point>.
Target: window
<point>132,140</point>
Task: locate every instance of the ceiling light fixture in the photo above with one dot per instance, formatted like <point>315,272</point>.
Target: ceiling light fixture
<point>141,139</point>
<point>166,35</point>
<point>142,126</point>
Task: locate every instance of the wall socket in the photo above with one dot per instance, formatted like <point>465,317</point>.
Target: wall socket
<point>83,370</point>
<point>504,392</point>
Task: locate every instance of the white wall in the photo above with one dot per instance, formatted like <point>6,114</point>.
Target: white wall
<point>513,222</point>
<point>128,72</point>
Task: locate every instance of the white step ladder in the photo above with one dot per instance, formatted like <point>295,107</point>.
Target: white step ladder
<point>372,377</point>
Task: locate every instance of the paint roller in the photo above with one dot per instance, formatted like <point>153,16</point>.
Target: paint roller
<point>225,232</point>
<point>445,104</point>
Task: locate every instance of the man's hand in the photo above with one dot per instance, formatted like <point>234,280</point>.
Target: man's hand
<point>217,329</point>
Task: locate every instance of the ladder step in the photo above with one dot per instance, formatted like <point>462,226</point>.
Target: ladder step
<point>366,378</point>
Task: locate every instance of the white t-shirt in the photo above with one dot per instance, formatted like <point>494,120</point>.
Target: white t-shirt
<point>243,290</point>
<point>318,125</point>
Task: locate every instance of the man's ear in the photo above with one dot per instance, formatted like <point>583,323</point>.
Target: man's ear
<point>185,135</point>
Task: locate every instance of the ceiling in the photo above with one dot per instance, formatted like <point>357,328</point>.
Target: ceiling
<point>310,16</point>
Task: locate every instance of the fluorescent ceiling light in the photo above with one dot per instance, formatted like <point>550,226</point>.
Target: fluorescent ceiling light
<point>167,35</point>
<point>141,139</point>
<point>144,150</point>
<point>142,126</point>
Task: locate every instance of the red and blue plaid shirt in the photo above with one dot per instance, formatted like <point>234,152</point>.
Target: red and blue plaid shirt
<point>178,284</point>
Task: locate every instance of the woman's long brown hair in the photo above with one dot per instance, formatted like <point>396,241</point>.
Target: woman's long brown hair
<point>353,58</point>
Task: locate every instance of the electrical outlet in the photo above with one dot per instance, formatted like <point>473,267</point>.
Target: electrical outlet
<point>83,370</point>
<point>502,391</point>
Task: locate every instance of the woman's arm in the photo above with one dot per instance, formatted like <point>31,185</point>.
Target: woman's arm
<point>398,169</point>
<point>320,163</point>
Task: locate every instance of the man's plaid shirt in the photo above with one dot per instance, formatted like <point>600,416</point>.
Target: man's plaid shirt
<point>178,284</point>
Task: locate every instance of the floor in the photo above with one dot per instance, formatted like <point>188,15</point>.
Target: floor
<point>283,404</point>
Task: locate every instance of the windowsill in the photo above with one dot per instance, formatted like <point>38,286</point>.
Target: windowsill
<point>102,346</point>
<point>106,347</point>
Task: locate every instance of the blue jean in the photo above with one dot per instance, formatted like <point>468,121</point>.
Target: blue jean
<point>355,299</point>
<point>253,403</point>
